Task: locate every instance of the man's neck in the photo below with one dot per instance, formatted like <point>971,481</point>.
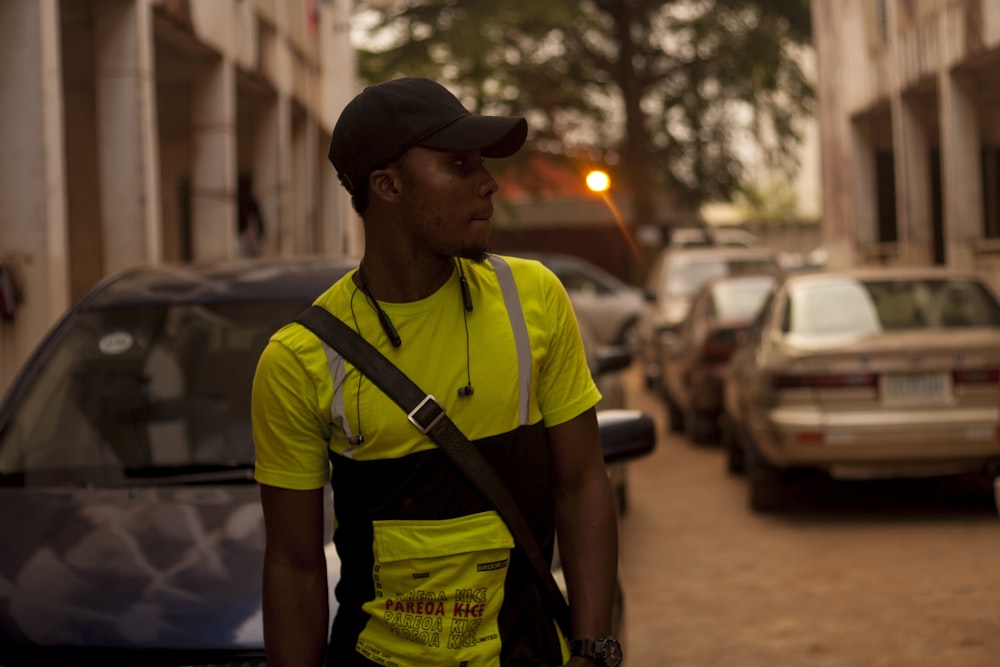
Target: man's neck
<point>403,281</point>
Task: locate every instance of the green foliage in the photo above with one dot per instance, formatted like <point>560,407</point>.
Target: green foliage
<point>773,201</point>
<point>666,89</point>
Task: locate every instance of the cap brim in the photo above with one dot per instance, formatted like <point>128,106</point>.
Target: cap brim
<point>494,136</point>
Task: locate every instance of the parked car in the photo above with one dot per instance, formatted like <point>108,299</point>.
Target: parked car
<point>132,526</point>
<point>604,303</point>
<point>708,235</point>
<point>867,372</point>
<point>695,364</point>
<point>674,277</point>
<point>996,492</point>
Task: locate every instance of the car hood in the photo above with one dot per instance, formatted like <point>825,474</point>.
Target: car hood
<point>177,567</point>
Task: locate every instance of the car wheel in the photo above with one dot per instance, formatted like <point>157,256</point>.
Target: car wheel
<point>621,497</point>
<point>767,483</point>
<point>630,337</point>
<point>699,428</point>
<point>735,460</point>
<point>675,418</point>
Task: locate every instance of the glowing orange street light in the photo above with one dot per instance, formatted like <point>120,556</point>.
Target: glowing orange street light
<point>598,181</point>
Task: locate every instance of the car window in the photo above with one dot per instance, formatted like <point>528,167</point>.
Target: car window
<point>933,303</point>
<point>146,386</point>
<point>830,308</point>
<point>577,281</point>
<point>877,305</point>
<point>685,277</point>
<point>739,299</point>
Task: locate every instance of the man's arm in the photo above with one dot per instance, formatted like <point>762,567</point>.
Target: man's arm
<point>296,610</point>
<point>587,524</point>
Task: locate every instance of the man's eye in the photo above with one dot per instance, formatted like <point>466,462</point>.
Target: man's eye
<point>469,163</point>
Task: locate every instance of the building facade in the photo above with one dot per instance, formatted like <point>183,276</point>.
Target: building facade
<point>162,131</point>
<point>909,117</point>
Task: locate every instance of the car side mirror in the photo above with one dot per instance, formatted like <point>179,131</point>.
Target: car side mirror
<point>625,434</point>
<point>611,358</point>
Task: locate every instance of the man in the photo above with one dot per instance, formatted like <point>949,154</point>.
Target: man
<point>429,572</point>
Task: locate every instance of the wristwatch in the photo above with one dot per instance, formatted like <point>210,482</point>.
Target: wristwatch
<point>605,651</point>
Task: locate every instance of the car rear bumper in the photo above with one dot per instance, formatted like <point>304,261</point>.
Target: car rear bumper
<point>928,440</point>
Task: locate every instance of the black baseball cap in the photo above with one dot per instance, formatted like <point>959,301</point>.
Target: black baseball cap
<point>387,119</point>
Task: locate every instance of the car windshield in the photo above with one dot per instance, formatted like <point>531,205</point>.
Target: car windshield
<point>872,306</point>
<point>131,391</point>
<point>684,278</point>
<point>741,299</point>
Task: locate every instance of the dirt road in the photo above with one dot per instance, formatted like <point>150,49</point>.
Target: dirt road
<point>887,574</point>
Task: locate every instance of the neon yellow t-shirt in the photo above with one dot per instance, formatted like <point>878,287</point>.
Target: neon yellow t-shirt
<point>307,399</point>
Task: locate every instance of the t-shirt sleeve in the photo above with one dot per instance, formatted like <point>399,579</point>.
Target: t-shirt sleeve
<point>290,438</point>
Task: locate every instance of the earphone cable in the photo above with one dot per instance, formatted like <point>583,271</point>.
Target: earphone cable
<point>466,307</point>
<point>359,438</point>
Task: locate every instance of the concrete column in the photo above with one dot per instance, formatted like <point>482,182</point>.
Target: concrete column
<point>128,155</point>
<point>213,162</point>
<point>911,153</point>
<point>304,186</point>
<point>961,169</point>
<point>33,235</point>
<point>285,220</point>
<point>835,139</point>
<point>266,173</point>
<point>342,230</point>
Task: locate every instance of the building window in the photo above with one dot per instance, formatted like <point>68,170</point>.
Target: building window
<point>885,185</point>
<point>991,192</point>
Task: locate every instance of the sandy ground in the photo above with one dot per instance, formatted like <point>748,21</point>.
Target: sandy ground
<point>887,574</point>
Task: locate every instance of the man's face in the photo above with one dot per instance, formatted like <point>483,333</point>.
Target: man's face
<point>448,201</point>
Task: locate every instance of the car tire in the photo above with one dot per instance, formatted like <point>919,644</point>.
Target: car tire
<point>631,337</point>
<point>699,428</point>
<point>735,459</point>
<point>768,484</point>
<point>621,497</point>
<point>652,378</point>
<point>675,418</point>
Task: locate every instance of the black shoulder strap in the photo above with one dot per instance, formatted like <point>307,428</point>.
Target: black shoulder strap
<point>429,417</point>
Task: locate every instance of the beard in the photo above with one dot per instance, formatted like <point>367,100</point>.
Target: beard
<point>476,253</point>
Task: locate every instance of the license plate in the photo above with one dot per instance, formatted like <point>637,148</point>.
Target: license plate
<point>915,388</point>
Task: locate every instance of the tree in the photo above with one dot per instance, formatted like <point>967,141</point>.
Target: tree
<point>663,91</point>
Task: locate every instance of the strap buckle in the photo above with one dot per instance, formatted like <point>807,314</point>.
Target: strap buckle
<point>428,412</point>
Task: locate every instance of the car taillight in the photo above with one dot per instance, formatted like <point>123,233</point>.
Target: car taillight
<point>719,346</point>
<point>977,376</point>
<point>825,381</point>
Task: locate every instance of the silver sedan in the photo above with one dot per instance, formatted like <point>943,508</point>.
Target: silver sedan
<point>879,372</point>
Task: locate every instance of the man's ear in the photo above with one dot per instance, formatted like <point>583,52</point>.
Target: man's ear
<point>384,184</point>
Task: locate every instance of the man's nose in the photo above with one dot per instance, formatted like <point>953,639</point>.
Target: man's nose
<point>488,186</point>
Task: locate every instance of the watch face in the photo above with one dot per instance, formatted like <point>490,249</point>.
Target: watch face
<point>611,652</point>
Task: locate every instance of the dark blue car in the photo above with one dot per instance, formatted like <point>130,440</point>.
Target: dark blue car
<point>132,530</point>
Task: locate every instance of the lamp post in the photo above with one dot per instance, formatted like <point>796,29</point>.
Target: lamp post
<point>598,181</point>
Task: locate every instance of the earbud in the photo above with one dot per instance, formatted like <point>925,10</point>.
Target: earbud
<point>388,327</point>
<point>356,440</point>
<point>467,390</point>
<point>466,294</point>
